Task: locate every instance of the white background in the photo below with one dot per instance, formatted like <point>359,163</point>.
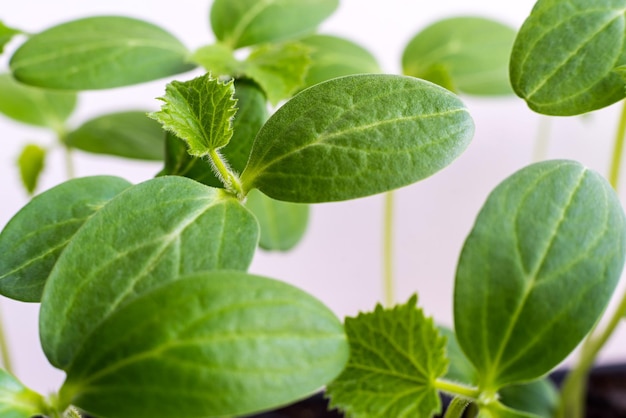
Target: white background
<point>340,259</point>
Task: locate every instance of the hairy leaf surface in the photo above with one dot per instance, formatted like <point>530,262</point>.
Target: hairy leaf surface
<point>395,357</point>
<point>356,136</point>
<point>239,23</point>
<point>99,53</point>
<point>31,162</point>
<point>565,53</point>
<point>151,234</point>
<point>211,344</point>
<point>34,238</point>
<point>463,54</point>
<point>537,270</point>
<point>16,400</point>
<point>124,134</point>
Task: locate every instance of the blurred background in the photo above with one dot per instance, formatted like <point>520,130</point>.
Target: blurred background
<point>339,261</point>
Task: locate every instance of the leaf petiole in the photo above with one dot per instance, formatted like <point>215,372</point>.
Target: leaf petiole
<point>456,408</point>
<point>618,150</point>
<point>457,389</point>
<point>226,175</point>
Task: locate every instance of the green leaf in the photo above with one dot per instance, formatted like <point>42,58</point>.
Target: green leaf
<point>33,239</point>
<point>16,400</point>
<point>150,234</point>
<point>278,69</point>
<point>460,368</point>
<point>282,224</point>
<point>537,270</point>
<point>99,53</point>
<point>464,54</point>
<point>564,55</point>
<point>200,111</point>
<point>125,134</point>
<point>239,23</point>
<point>395,357</point>
<point>219,60</point>
<point>333,57</point>
<point>6,34</point>
<point>211,344</point>
<point>31,163</point>
<point>539,397</point>
<point>35,106</point>
<point>251,115</point>
<point>497,410</point>
<point>356,136</point>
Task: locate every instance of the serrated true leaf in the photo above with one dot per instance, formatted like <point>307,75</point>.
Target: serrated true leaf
<point>200,111</point>
<point>278,68</point>
<point>251,115</point>
<point>564,55</point>
<point>33,239</point>
<point>31,163</point>
<point>355,136</point>
<point>395,357</point>
<point>333,57</point>
<point>239,23</point>
<point>16,400</point>
<point>211,344</point>
<point>472,52</point>
<point>537,270</point>
<point>125,134</point>
<point>150,234</point>
<point>6,34</point>
<point>35,106</point>
<point>98,53</point>
<point>282,224</point>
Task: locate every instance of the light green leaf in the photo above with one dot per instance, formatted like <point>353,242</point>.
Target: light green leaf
<point>219,60</point>
<point>99,53</point>
<point>278,69</point>
<point>395,357</point>
<point>283,224</point>
<point>35,106</point>
<point>16,400</point>
<point>150,234</point>
<point>239,23</point>
<point>200,111</point>
<point>539,397</point>
<point>564,55</point>
<point>537,270</point>
<point>356,136</point>
<point>251,115</point>
<point>211,344</point>
<point>333,57</point>
<point>6,34</point>
<point>497,410</point>
<point>31,163</point>
<point>33,239</point>
<point>464,54</point>
<point>125,134</point>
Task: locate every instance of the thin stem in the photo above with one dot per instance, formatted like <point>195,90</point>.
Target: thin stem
<point>618,149</point>
<point>4,348</point>
<point>456,408</point>
<point>457,389</point>
<point>540,151</point>
<point>70,171</point>
<point>225,173</point>
<point>388,273</point>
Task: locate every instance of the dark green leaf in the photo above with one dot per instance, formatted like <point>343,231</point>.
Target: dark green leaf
<point>16,400</point>
<point>539,397</point>
<point>31,162</point>
<point>150,234</point>
<point>239,23</point>
<point>464,54</point>
<point>283,224</point>
<point>564,55</point>
<point>99,53</point>
<point>333,57</point>
<point>251,115</point>
<point>537,270</point>
<point>355,136</point>
<point>212,344</point>
<point>35,106</point>
<point>125,134</point>
<point>6,34</point>
<point>395,357</point>
<point>200,111</point>
<point>34,238</point>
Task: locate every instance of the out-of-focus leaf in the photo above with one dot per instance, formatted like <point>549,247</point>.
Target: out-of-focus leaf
<point>31,162</point>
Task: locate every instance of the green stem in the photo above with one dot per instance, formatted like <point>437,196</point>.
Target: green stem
<point>540,152</point>
<point>388,274</point>
<point>229,178</point>
<point>457,389</point>
<point>70,171</point>
<point>4,348</point>
<point>456,408</point>
<point>618,149</point>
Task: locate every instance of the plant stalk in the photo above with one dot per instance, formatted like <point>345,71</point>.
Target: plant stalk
<point>388,273</point>
<point>540,151</point>
<point>70,171</point>
<point>457,389</point>
<point>225,173</point>
<point>456,408</point>
<point>4,348</point>
<point>618,149</point>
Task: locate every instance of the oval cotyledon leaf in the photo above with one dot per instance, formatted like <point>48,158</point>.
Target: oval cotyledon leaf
<point>356,136</point>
